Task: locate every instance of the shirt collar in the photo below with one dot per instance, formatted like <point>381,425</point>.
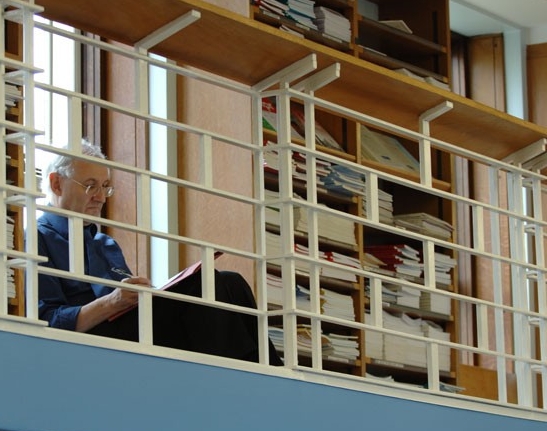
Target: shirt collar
<point>60,224</point>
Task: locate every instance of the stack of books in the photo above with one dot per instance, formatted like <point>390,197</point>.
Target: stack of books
<point>332,23</point>
<point>425,224</point>
<point>331,227</point>
<point>402,259</point>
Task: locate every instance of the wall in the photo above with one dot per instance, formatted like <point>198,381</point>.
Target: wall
<point>214,219</point>
<point>53,385</point>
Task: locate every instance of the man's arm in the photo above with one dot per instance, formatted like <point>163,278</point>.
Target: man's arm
<point>102,308</point>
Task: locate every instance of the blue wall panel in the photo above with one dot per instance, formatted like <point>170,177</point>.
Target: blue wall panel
<point>49,385</point>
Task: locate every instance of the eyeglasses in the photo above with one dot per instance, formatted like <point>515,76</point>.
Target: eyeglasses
<point>93,190</point>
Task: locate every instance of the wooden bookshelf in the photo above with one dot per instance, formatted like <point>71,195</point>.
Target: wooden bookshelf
<point>15,164</point>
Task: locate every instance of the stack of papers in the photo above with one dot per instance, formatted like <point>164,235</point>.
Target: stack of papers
<point>331,227</point>
<point>333,304</point>
<point>404,295</point>
<point>276,293</point>
<point>374,341</point>
<point>425,224</point>
<point>304,340</point>
<point>444,264</point>
<point>396,348</point>
<point>402,350</point>
<point>344,347</point>
<point>344,180</point>
<point>332,23</point>
<point>432,330</point>
<point>273,248</point>
<point>435,303</point>
<point>385,207</point>
<point>9,232</point>
<point>334,347</point>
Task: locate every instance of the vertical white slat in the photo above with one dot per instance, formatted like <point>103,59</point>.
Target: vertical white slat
<point>429,264</point>
<point>208,273</point>
<point>432,357</point>
<point>288,270</point>
<point>31,241</point>
<point>76,245</point>
<point>497,283</point>
<point>145,318</point>
<point>313,235</point>
<point>260,227</point>
<point>521,326</point>
<point>371,201</point>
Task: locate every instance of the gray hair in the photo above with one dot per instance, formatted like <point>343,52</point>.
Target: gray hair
<point>63,165</point>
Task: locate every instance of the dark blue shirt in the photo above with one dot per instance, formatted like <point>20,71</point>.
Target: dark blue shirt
<point>61,299</point>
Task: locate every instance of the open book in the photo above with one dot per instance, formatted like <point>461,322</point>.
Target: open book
<point>173,281</point>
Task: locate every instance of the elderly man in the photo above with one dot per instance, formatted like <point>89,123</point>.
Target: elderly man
<point>82,186</point>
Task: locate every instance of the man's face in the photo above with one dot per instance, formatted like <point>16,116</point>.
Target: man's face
<point>72,196</point>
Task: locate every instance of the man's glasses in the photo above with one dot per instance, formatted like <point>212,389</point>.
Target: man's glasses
<point>93,190</point>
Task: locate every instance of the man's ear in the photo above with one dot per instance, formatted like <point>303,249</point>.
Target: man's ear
<point>55,183</point>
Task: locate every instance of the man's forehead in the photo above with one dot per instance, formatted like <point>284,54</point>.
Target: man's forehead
<point>87,168</point>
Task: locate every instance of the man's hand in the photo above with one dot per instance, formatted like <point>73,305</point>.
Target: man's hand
<point>106,306</point>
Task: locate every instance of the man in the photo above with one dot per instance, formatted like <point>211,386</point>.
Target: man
<point>83,187</point>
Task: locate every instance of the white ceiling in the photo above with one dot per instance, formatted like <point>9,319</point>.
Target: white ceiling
<point>473,17</point>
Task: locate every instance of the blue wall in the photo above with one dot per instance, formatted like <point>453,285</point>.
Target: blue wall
<point>71,387</point>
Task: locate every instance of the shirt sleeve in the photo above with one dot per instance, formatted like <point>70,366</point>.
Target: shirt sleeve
<point>53,305</point>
